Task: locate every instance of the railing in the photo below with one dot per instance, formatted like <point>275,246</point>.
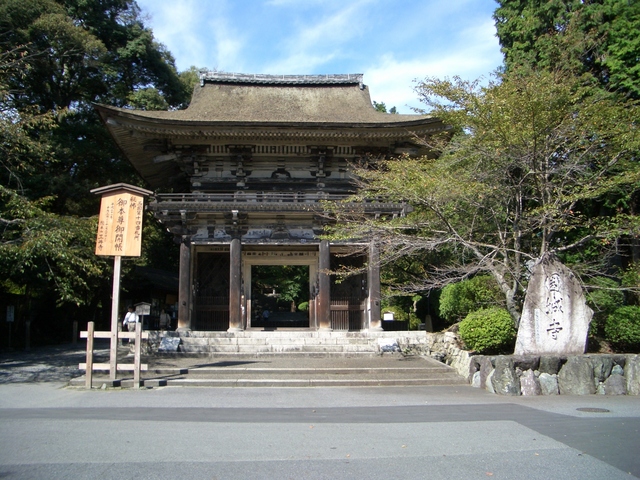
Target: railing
<point>278,197</point>
<point>269,200</point>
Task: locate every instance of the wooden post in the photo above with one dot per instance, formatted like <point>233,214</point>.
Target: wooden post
<point>89,375</point>
<point>184,289</point>
<point>324,287</point>
<point>115,301</point>
<point>373,272</point>
<point>235,285</point>
<point>119,234</point>
<point>136,358</point>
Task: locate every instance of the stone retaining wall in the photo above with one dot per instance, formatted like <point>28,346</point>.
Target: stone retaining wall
<point>556,375</point>
<point>605,374</point>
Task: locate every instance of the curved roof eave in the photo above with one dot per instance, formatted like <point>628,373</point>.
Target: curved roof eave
<point>162,119</point>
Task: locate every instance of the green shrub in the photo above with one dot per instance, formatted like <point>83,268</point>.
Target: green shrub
<point>398,313</point>
<point>603,301</point>
<point>457,300</point>
<point>489,330</point>
<point>622,328</point>
<point>303,307</point>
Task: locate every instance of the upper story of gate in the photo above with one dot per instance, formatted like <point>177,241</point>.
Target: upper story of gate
<point>258,156</point>
<point>263,134</point>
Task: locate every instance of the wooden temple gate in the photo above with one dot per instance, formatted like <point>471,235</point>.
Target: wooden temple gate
<point>239,183</point>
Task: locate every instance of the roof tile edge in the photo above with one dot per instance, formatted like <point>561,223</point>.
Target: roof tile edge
<point>264,79</point>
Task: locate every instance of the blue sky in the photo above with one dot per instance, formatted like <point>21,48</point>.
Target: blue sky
<point>392,42</point>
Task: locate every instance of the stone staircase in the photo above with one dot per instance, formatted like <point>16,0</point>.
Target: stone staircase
<point>293,341</point>
<point>293,370</point>
<point>289,358</point>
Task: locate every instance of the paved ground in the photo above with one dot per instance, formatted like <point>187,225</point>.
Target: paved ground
<point>60,363</point>
<point>49,431</point>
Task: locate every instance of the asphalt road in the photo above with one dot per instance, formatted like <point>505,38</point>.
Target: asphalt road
<point>51,432</point>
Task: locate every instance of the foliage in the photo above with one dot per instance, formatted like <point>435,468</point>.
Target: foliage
<point>399,314</point>
<point>489,331</point>
<point>56,58</point>
<point>290,282</point>
<point>598,38</point>
<point>381,107</point>
<point>603,298</point>
<point>631,281</point>
<point>41,250</point>
<point>458,299</point>
<point>303,307</point>
<point>526,161</point>
<point>622,328</point>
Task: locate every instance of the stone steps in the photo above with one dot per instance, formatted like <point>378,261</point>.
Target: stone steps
<point>288,341</point>
<point>291,370</point>
<point>289,358</point>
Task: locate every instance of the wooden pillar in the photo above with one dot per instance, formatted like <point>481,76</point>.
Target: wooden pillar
<point>235,286</point>
<point>88,380</point>
<point>184,288</point>
<point>373,281</point>
<point>323,307</point>
<point>313,276</point>
<point>115,320</point>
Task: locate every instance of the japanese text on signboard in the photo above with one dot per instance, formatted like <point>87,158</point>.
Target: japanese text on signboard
<point>120,225</point>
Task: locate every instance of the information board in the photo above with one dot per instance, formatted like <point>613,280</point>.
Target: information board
<point>120,225</point>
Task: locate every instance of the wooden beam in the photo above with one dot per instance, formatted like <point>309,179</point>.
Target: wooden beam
<point>122,367</point>
<point>84,334</point>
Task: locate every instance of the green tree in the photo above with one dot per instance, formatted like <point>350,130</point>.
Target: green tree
<point>381,107</point>
<point>596,37</point>
<point>526,158</point>
<point>57,57</point>
<point>289,282</point>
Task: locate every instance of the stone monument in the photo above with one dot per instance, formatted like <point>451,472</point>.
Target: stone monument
<point>555,317</point>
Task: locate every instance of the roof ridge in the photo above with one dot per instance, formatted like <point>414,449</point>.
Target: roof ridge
<point>258,78</point>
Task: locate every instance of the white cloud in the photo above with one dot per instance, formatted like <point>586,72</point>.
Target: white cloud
<point>392,43</point>
<point>474,55</point>
<point>316,42</point>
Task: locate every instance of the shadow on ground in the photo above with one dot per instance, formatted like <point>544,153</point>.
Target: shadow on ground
<point>45,364</point>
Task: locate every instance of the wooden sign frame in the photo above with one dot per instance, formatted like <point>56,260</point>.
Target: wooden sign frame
<point>119,234</point>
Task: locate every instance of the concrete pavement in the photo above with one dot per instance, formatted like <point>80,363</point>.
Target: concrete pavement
<point>49,431</point>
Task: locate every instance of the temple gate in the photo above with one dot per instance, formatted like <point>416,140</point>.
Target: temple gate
<point>243,176</point>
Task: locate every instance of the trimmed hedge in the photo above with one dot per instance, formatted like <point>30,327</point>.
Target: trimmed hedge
<point>459,299</point>
<point>622,328</point>
<point>488,331</point>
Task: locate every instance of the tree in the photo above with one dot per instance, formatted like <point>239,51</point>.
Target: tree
<point>525,158</point>
<point>56,58</point>
<point>289,282</point>
<point>381,107</point>
<point>596,37</point>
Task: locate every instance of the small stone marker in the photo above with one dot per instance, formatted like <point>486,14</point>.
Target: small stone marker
<point>555,317</point>
<point>169,344</point>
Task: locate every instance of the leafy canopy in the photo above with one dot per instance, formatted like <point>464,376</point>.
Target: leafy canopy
<point>524,162</point>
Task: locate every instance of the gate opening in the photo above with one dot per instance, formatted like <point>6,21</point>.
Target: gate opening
<point>280,296</point>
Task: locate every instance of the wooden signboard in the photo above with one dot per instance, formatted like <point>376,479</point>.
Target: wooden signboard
<point>120,224</point>
<point>119,234</point>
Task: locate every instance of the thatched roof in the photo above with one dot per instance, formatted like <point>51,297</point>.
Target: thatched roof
<point>280,99</point>
<point>252,109</point>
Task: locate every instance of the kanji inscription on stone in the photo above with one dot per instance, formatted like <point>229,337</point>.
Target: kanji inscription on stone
<point>555,318</point>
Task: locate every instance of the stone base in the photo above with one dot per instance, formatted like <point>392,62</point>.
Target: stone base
<point>564,375</point>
